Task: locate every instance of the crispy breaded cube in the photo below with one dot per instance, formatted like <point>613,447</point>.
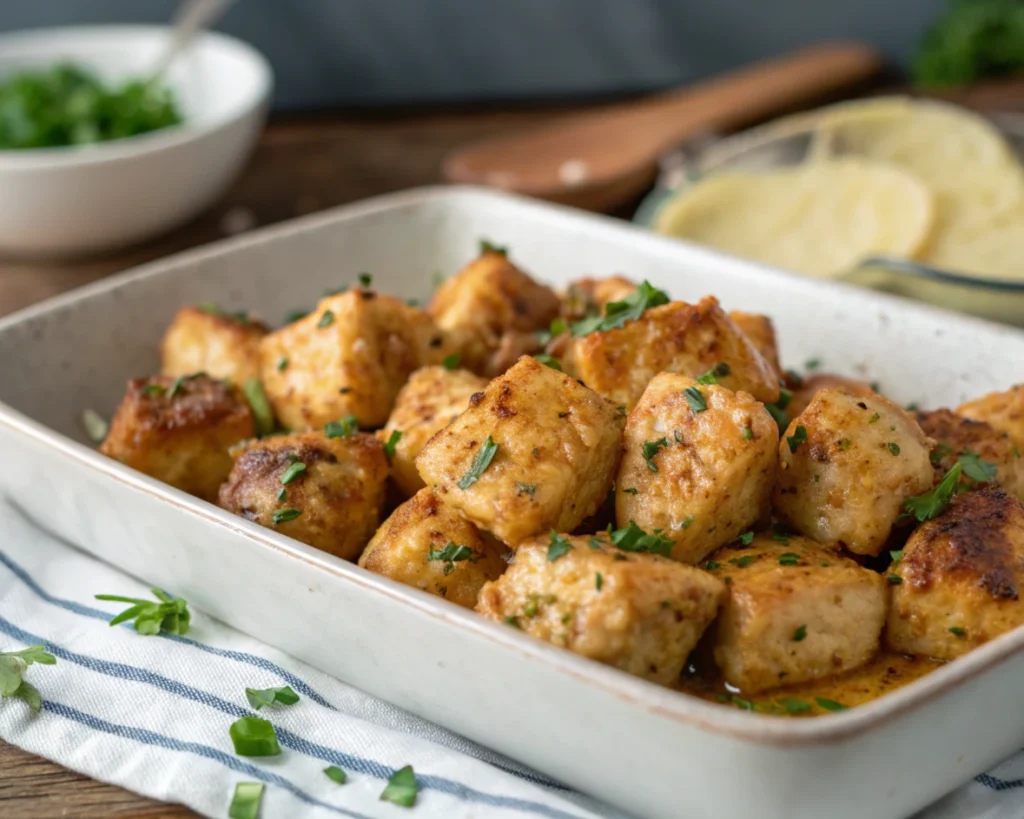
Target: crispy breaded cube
<point>486,300</point>
<point>327,492</point>
<point>795,611</point>
<point>959,577</point>
<point>688,339</point>
<point>588,297</point>
<point>970,440</point>
<point>204,339</point>
<point>430,546</point>
<point>1002,410</point>
<point>179,430</point>
<point>846,464</point>
<point>430,399</point>
<point>698,463</point>
<point>805,390</point>
<point>761,332</point>
<point>535,451</point>
<point>350,356</point>
<point>640,613</point>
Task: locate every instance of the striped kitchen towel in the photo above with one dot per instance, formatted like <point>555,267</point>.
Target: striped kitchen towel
<point>151,714</point>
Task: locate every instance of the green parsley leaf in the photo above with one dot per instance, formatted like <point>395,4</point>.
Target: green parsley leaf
<point>744,561</point>
<point>598,581</point>
<point>282,494</point>
<point>285,515</point>
<point>720,370</point>
<point>617,313</point>
<point>559,546</point>
<point>392,442</point>
<point>634,539</point>
<point>631,490</point>
<point>685,522</point>
<point>336,774</point>
<point>785,396</point>
<point>893,579</point>
<point>896,555</point>
<point>262,412</point>
<point>179,382</point>
<point>957,631</point>
<point>798,437</point>
<point>799,634</point>
<point>712,564</point>
<point>931,504</point>
<point>253,736</point>
<point>245,804</point>
<point>326,320</point>
<point>621,409</point>
<point>487,246</point>
<point>845,444</point>
<point>746,705</point>
<point>794,706</point>
<point>451,362</point>
<point>780,534</point>
<point>345,428</point>
<point>776,412</point>
<point>451,553</point>
<point>894,448</point>
<point>402,788</point>
<point>747,433</point>
<point>170,614</point>
<point>812,364</point>
<point>480,463</point>
<point>95,426</point>
<point>975,468</point>
<point>594,543</point>
<point>12,670</point>
<point>365,279</point>
<point>526,488</point>
<point>282,363</point>
<point>650,449</point>
<point>154,389</point>
<point>940,452</point>
<point>258,697</point>
<point>292,472</point>
<point>746,538</point>
<point>695,398</point>
<point>789,559</point>
<point>874,418</point>
<point>830,705</point>
<point>548,361</point>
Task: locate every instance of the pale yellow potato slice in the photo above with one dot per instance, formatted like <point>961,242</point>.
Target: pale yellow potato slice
<point>819,218</point>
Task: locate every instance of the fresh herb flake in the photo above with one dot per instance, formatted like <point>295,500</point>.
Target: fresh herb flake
<point>720,370</point>
<point>245,804</point>
<point>548,361</point>
<point>652,448</point>
<point>258,697</point>
<point>401,788</point>
<point>450,554</point>
<point>285,515</point>
<point>253,736</point>
<point>487,246</point>
<point>558,546</point>
<point>695,398</point>
<point>598,581</point>
<point>746,538</point>
<point>894,448</point>
<point>169,614</point>
<point>480,463</point>
<point>617,313</point>
<point>526,488</point>
<point>12,670</point>
<point>392,442</point>
<point>293,471</point>
<point>336,774</point>
<point>365,279</point>
<point>975,468</point>
<point>893,579</point>
<point>282,363</point>
<point>799,634</point>
<point>95,426</point>
<point>262,412</point>
<point>830,705</point>
<point>634,539</point>
<point>798,437</point>
<point>789,559</point>
<point>957,631</point>
<point>794,706</point>
<point>326,320</point>
<point>451,362</point>
<point>931,504</point>
<point>343,428</point>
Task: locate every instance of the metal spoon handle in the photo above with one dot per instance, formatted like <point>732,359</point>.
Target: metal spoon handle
<point>191,17</point>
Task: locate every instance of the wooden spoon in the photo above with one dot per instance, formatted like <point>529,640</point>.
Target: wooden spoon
<point>601,159</point>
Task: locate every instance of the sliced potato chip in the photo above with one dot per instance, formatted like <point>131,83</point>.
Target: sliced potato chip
<point>820,218</point>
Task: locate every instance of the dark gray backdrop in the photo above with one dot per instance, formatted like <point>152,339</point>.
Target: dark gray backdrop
<point>358,52</point>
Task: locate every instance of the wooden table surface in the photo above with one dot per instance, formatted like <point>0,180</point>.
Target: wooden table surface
<point>300,166</point>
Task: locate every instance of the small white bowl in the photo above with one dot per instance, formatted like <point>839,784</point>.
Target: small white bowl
<point>85,199</point>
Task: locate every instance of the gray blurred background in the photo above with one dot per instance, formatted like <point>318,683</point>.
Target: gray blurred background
<point>337,53</point>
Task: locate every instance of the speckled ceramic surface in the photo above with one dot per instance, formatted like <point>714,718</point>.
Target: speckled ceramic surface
<point>646,749</point>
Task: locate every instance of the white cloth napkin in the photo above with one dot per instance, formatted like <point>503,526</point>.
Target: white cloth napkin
<point>151,714</point>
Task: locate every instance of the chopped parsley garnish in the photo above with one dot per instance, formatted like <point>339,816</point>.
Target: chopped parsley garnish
<point>526,488</point>
<point>511,621</point>
<point>695,398</point>
<point>594,543</point>
<point>830,705</point>
<point>282,363</point>
<point>712,564</point>
<point>285,515</point>
<point>548,361</point>
<point>894,448</point>
<point>245,804</point>
<point>799,634</point>
<point>650,449</point>
<point>746,433</point>
<point>154,389</point>
<point>293,471</point>
<point>170,614</point>
<point>789,559</point>
<point>785,396</point>
<point>95,426</point>
<point>778,414</point>
<point>262,412</point>
<point>874,418</point>
<point>179,382</point>
<point>794,706</point>
<point>343,428</point>
<point>746,705</point>
<point>258,697</point>
<point>812,364</point>
<point>896,555</point>
<point>12,671</point>
<point>480,463</point>
<point>326,320</point>
<point>779,534</point>
<point>450,554</point>
<point>845,444</point>
<point>957,631</point>
<point>746,538</point>
<point>893,579</point>
<point>336,774</point>
<point>931,504</point>
<point>685,522</point>
<point>798,437</point>
<point>282,494</point>
<point>365,279</point>
<point>559,546</point>
<point>253,736</point>
<point>634,539</point>
<point>744,561</point>
<point>392,442</point>
<point>617,313</point>
<point>940,452</point>
<point>598,581</point>
<point>975,468</point>
<point>720,370</point>
<point>621,409</point>
<point>402,786</point>
<point>631,490</point>
<point>487,246</point>
<point>344,390</point>
<point>451,362</point>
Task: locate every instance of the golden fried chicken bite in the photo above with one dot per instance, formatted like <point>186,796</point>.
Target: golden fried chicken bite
<point>846,464</point>
<point>179,430</point>
<point>698,464</point>
<point>430,399</point>
<point>688,339</point>
<point>1002,410</point>
<point>350,356</point>
<point>956,584</point>
<point>640,613</point>
<point>795,611</point>
<point>488,300</point>
<point>430,546</point>
<point>985,453</point>
<point>535,451</point>
<point>205,339</point>
<point>807,388</point>
<point>761,332</point>
<point>325,491</point>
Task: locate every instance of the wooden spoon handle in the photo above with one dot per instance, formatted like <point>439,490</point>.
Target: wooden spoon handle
<point>623,139</point>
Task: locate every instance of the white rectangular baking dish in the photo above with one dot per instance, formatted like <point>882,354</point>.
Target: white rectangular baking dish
<point>648,750</point>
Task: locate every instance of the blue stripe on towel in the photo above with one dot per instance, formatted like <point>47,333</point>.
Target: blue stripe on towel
<point>997,784</point>
<point>285,737</point>
<point>170,743</point>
